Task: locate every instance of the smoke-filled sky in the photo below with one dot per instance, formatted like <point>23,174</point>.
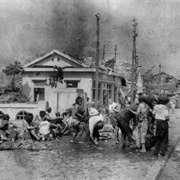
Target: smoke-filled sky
<point>29,28</point>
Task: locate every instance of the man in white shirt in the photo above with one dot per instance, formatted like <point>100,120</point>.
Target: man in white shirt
<point>161,114</point>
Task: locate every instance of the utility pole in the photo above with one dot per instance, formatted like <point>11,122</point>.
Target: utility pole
<point>104,47</point>
<point>159,83</point>
<point>115,52</point>
<point>134,61</point>
<point>97,58</point>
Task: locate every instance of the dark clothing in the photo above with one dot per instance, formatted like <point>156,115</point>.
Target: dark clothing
<point>123,119</point>
<point>97,127</point>
<point>127,114</point>
<point>161,136</point>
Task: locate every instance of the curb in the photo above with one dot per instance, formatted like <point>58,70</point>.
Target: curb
<point>159,164</point>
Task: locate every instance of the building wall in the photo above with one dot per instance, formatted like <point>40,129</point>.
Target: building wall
<point>61,97</point>
<point>85,83</point>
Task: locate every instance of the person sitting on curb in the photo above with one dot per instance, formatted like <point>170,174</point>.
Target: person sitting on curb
<point>47,129</point>
<point>8,130</point>
<point>29,131</point>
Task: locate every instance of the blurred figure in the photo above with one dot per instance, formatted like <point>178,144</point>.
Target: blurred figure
<point>8,131</point>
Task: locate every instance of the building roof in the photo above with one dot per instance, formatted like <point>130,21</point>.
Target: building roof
<point>38,65</point>
<point>54,51</point>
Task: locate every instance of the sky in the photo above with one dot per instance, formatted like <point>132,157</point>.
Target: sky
<point>30,28</point>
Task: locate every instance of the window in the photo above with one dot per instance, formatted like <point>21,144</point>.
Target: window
<point>72,84</point>
<point>39,90</point>
<point>93,90</point>
<point>39,94</point>
<point>109,88</point>
<point>20,115</point>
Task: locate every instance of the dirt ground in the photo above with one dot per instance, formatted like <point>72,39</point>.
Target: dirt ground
<point>68,161</point>
<point>74,161</point>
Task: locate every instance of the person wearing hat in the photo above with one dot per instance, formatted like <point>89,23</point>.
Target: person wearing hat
<point>161,114</point>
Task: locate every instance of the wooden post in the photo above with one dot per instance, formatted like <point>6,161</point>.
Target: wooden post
<point>134,64</point>
<point>97,58</point>
<point>115,51</point>
<point>104,47</point>
<point>159,84</point>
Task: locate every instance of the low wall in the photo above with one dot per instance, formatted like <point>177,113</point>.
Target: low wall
<point>15,109</point>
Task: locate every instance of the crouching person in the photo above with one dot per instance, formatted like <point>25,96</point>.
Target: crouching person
<point>29,131</point>
<point>95,124</point>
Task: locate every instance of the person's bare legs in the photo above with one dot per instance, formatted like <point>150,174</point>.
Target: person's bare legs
<point>35,135</point>
<point>116,134</point>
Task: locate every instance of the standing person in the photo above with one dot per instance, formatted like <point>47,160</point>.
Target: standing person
<point>123,120</point>
<point>112,107</point>
<point>161,114</point>
<point>77,116</point>
<point>113,111</point>
<point>143,112</point>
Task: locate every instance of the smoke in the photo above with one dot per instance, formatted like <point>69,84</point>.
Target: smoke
<point>30,28</point>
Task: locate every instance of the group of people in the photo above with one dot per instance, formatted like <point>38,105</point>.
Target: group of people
<point>144,124</point>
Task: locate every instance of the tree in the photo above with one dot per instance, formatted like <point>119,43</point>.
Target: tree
<point>14,70</point>
<point>56,77</point>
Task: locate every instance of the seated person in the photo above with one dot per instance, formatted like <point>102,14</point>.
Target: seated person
<point>47,129</point>
<point>58,115</point>
<point>56,120</point>
<point>7,130</point>
<point>36,121</point>
<point>29,131</point>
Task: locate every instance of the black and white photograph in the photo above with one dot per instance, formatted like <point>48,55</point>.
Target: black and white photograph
<point>90,89</point>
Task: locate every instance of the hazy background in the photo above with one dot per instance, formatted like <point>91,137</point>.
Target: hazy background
<point>29,28</point>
